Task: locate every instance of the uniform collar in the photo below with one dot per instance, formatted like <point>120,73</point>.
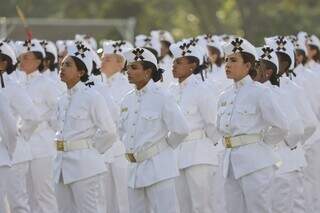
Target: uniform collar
<point>75,88</point>
<point>188,81</point>
<point>33,75</point>
<point>245,81</point>
<point>145,89</point>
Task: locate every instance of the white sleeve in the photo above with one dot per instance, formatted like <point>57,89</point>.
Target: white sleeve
<point>175,121</point>
<point>106,133</point>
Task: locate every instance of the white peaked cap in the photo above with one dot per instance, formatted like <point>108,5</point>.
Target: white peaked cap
<point>284,45</point>
<point>49,47</point>
<point>30,46</point>
<point>7,50</point>
<point>268,54</point>
<point>148,41</point>
<point>163,35</point>
<point>117,47</point>
<point>313,40</point>
<point>187,48</point>
<point>239,45</point>
<point>82,52</point>
<point>140,54</point>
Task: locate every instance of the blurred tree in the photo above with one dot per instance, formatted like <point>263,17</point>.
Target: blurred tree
<point>253,19</point>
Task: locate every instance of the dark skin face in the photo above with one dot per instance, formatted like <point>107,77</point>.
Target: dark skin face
<point>299,58</point>
<point>236,69</point>
<point>263,74</point>
<point>164,49</point>
<point>69,72</point>
<point>213,54</point>
<point>3,64</point>
<point>29,63</point>
<point>137,75</point>
<point>182,68</point>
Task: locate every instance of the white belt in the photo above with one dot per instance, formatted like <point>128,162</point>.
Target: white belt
<point>148,153</point>
<point>66,146</point>
<point>195,135</point>
<point>241,140</point>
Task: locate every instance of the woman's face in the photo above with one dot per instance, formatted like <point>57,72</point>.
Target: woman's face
<point>236,69</point>
<point>182,68</point>
<point>137,75</point>
<point>111,63</point>
<point>299,57</point>
<point>69,72</point>
<point>164,49</point>
<point>29,62</point>
<point>312,52</point>
<point>213,54</point>
<point>3,63</point>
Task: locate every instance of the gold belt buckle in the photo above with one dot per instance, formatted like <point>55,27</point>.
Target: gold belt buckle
<point>130,157</point>
<point>60,145</point>
<point>227,142</point>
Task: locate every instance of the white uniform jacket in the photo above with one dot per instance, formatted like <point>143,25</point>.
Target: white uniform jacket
<point>26,116</point>
<point>147,117</point>
<point>248,108</point>
<point>44,95</point>
<point>83,115</point>
<point>199,105</point>
<point>8,132</point>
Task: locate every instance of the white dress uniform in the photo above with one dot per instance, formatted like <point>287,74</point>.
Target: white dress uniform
<point>198,154</point>
<point>245,110</point>
<point>312,148</point>
<point>285,187</point>
<point>86,129</point>
<point>44,95</point>
<point>8,138</point>
<point>147,117</point>
<point>116,183</point>
<point>27,118</point>
<point>168,79</point>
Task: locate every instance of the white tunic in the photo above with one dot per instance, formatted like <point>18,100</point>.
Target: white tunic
<point>44,95</point>
<point>148,116</point>
<point>8,132</point>
<point>25,114</point>
<point>198,104</point>
<point>248,108</point>
<point>83,115</point>
<point>118,87</point>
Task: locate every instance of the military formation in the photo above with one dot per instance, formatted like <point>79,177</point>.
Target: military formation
<point>208,124</point>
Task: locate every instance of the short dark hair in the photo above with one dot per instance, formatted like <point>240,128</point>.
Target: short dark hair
<point>39,56</point>
<point>219,58</point>
<point>156,74</point>
<point>50,57</point>
<point>284,57</point>
<point>249,58</point>
<point>10,66</point>
<point>81,66</point>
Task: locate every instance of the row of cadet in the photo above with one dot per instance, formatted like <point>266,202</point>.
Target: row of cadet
<point>203,125</point>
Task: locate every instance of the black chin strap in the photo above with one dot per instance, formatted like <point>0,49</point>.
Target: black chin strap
<point>2,81</point>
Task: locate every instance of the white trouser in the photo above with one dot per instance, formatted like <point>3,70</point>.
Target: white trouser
<point>116,180</point>
<point>84,196</point>
<point>158,198</point>
<point>18,197</point>
<point>41,187</point>
<point>250,193</point>
<point>312,178</point>
<point>195,189</point>
<point>4,175</point>
<point>287,196</point>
